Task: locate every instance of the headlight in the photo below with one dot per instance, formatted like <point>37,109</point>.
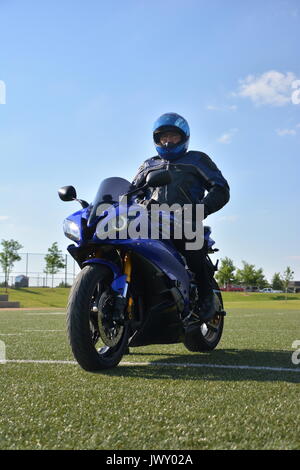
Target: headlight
<point>71,230</point>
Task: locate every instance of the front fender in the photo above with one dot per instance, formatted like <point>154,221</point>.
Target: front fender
<point>119,281</point>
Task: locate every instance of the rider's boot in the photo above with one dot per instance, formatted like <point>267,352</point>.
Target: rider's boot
<point>207,307</point>
<point>206,304</point>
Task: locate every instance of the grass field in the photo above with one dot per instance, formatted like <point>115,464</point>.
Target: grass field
<point>35,297</point>
<point>243,395</point>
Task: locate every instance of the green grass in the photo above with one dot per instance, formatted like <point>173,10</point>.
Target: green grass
<point>38,297</point>
<point>34,297</point>
<point>257,297</point>
<point>152,406</point>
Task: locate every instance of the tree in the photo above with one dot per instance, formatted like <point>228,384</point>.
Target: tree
<point>277,282</point>
<point>54,261</point>
<point>246,275</point>
<point>9,256</point>
<point>261,281</point>
<point>287,277</point>
<point>249,276</point>
<point>225,274</point>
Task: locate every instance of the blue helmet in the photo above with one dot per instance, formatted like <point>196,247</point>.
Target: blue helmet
<point>171,122</point>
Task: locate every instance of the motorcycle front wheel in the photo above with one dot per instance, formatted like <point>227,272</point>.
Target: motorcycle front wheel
<point>97,341</point>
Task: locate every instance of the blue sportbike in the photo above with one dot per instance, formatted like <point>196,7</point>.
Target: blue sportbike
<point>131,291</point>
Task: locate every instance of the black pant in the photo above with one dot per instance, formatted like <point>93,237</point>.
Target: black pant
<point>196,261</point>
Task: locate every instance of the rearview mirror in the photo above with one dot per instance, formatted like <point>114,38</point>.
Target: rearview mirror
<point>67,193</point>
<point>158,178</point>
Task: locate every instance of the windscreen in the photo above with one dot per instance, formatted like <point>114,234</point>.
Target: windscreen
<point>109,192</point>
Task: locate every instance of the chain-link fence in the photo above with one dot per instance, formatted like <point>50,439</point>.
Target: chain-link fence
<point>30,272</point>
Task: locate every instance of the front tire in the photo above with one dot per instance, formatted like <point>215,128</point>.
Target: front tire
<point>84,326</point>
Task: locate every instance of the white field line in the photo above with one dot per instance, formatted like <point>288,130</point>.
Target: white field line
<point>35,361</point>
<point>43,331</point>
<point>31,331</point>
<point>162,364</point>
<point>44,313</point>
<point>11,334</point>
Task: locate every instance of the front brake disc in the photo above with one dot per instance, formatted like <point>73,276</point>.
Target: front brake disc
<point>110,331</point>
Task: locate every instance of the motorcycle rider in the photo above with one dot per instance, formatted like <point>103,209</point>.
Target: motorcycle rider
<point>193,173</point>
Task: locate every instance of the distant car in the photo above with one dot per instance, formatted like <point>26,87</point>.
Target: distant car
<point>269,290</point>
<point>231,288</point>
<point>21,281</point>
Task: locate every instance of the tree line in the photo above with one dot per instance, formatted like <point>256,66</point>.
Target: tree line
<point>249,276</point>
<point>54,260</point>
<point>228,274</point>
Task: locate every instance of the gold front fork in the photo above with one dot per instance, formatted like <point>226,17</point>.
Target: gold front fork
<point>127,271</point>
<point>127,267</point>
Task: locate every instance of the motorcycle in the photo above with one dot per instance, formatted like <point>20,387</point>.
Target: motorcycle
<point>130,292</point>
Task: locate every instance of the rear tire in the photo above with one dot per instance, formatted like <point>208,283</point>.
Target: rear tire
<point>206,337</point>
<point>92,279</point>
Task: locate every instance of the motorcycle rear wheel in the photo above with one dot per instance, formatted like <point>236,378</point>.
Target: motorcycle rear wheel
<point>207,336</point>
<point>86,329</point>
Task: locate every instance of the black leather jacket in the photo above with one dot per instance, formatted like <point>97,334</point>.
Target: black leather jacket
<point>193,173</point>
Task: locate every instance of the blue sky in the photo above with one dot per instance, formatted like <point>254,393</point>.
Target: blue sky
<point>86,80</point>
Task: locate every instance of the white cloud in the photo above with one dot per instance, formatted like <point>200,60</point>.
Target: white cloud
<point>4,217</point>
<point>282,132</point>
<point>212,107</point>
<point>271,88</point>
<point>228,218</point>
<point>292,131</point>
<point>226,138</point>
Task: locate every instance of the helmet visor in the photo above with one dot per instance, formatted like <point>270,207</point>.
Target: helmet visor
<point>168,134</point>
